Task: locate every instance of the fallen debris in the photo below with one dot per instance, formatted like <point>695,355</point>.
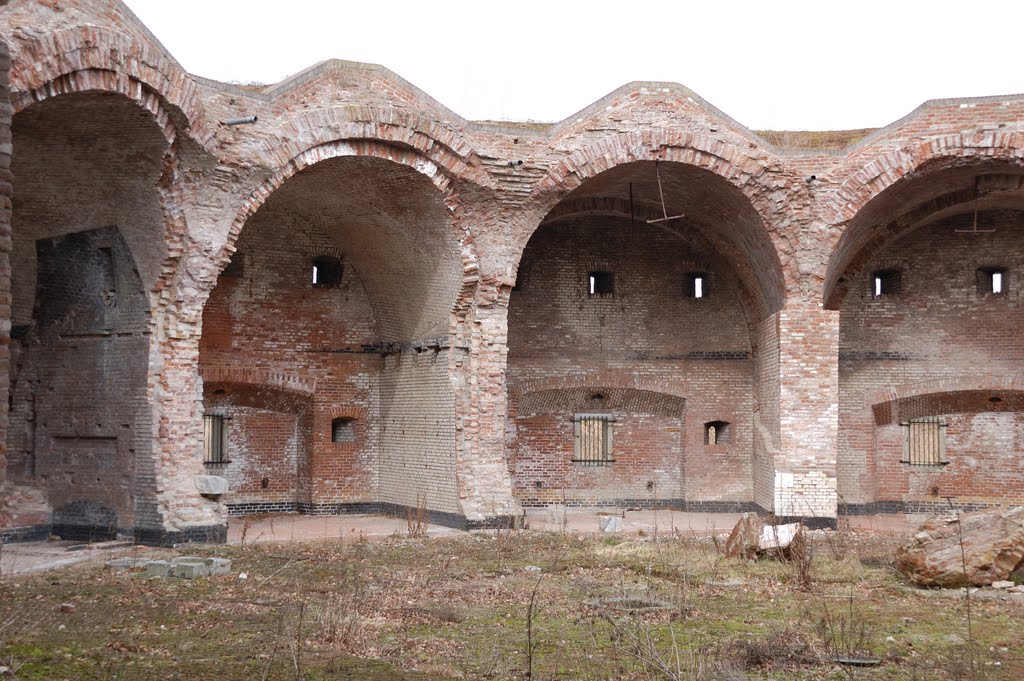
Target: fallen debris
<point>955,549</point>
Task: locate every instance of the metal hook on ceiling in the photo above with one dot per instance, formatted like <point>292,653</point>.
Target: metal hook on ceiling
<point>661,194</point>
<point>974,228</point>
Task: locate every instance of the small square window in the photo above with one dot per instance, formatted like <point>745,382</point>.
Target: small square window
<point>992,280</point>
<point>695,285</point>
<point>326,272</point>
<point>601,283</point>
<point>215,439</point>
<point>593,439</point>
<point>343,430</point>
<point>717,433</point>
<point>885,282</point>
<point>924,441</point>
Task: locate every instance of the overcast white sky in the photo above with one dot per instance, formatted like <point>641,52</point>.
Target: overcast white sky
<point>778,64</point>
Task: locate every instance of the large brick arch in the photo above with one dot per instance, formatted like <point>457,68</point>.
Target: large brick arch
<point>758,179</point>
<point>613,380</point>
<point>427,138</point>
<point>440,176</point>
<point>870,176</point>
<point>67,60</point>
<point>960,393</point>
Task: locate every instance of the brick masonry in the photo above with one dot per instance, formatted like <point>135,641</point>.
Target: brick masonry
<point>156,263</point>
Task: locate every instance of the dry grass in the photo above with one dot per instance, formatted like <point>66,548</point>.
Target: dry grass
<point>459,608</point>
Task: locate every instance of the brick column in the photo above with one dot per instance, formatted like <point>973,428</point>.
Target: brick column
<point>485,486</point>
<point>5,250</point>
<point>805,465</point>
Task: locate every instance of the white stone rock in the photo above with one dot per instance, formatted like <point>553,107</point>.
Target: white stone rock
<point>1002,584</point>
<point>778,536</point>
<point>610,523</point>
<point>211,485</point>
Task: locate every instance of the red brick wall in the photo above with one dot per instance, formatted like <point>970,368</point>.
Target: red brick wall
<point>939,326</point>
<point>5,248</point>
<point>79,308</point>
<point>646,335</point>
<point>271,322</point>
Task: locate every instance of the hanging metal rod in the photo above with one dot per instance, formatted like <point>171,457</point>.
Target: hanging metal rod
<point>661,194</point>
<point>974,228</point>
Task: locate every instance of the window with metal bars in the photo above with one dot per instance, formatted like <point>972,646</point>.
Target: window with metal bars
<point>593,439</point>
<point>924,441</point>
<point>215,438</point>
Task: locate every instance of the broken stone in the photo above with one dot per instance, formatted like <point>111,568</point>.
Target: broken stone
<point>610,523</point>
<point>1002,584</point>
<point>211,485</point>
<point>532,569</point>
<point>67,607</point>
<point>751,537</point>
<point>993,547</point>
<point>745,539</point>
<point>778,537</point>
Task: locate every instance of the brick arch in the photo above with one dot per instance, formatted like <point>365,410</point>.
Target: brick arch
<point>96,81</point>
<point>424,137</point>
<point>338,149</point>
<point>612,380</point>
<point>757,179</point>
<point>969,393</point>
<point>868,181</point>
<point>286,382</point>
<point>66,60</point>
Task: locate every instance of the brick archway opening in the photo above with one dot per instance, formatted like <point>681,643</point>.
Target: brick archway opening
<point>346,277</point>
<point>88,245</point>
<point>927,282</point>
<point>609,293</point>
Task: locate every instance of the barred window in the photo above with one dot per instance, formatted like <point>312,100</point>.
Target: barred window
<point>593,439</point>
<point>924,441</point>
<point>215,438</point>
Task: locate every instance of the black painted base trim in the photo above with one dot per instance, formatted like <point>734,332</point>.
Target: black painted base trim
<point>87,533</point>
<point>28,533</point>
<point>650,504</point>
<point>940,506</point>
<point>201,534</point>
<point>205,534</point>
<point>811,522</point>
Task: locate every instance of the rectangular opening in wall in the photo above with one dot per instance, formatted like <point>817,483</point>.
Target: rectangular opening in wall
<point>215,439</point>
<point>717,433</point>
<point>992,280</point>
<point>343,430</point>
<point>593,439</point>
<point>601,283</point>
<point>695,285</point>
<point>924,441</point>
<point>326,271</point>
<point>885,282</point>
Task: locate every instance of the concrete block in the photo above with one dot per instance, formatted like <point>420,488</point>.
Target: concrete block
<point>189,567</point>
<point>211,485</point>
<point>158,568</point>
<point>218,566</point>
<point>610,523</point>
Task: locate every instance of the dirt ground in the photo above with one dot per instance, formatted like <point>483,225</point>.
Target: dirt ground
<point>508,605</point>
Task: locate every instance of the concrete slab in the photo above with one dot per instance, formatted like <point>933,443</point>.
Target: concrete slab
<point>293,527</point>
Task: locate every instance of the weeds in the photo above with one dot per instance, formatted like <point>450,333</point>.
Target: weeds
<point>417,519</point>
